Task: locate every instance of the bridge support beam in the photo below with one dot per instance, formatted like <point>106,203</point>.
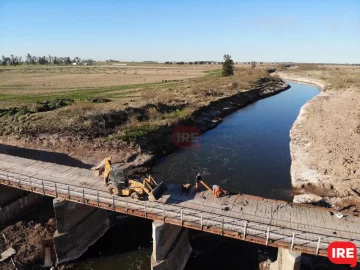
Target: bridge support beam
<point>171,247</point>
<point>78,227</point>
<point>286,260</point>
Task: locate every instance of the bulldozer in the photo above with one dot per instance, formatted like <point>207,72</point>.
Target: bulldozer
<point>116,179</point>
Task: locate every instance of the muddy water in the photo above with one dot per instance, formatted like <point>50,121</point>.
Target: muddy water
<point>247,153</point>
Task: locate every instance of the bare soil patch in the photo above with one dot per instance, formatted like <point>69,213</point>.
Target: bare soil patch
<point>28,239</point>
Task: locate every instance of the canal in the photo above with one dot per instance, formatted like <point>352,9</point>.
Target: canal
<point>247,153</point>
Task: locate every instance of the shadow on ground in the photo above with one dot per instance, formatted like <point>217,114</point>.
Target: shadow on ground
<point>45,156</point>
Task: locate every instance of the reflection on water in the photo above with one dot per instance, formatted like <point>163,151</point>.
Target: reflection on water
<point>247,153</point>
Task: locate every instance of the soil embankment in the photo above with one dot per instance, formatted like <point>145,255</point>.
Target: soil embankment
<point>325,148</point>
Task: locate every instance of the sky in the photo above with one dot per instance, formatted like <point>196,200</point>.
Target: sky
<point>320,31</point>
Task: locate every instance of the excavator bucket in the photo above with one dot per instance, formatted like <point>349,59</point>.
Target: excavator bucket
<point>157,192</point>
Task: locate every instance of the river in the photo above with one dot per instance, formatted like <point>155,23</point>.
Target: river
<point>247,153</point>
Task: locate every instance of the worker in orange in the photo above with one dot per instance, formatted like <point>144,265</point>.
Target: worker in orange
<point>198,179</point>
<point>218,191</point>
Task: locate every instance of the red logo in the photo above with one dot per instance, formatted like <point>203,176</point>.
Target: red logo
<point>186,136</point>
<point>342,253</point>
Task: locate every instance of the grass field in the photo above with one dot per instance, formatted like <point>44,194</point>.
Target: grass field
<point>26,84</point>
<point>138,99</point>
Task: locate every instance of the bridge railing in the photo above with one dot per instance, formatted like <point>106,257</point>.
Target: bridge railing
<point>263,233</point>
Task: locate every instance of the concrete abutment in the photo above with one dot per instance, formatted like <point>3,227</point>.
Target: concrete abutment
<point>287,260</point>
<point>15,202</point>
<point>171,247</point>
<point>78,227</point>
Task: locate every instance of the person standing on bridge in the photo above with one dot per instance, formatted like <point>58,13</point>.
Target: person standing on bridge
<point>198,179</point>
<point>218,191</point>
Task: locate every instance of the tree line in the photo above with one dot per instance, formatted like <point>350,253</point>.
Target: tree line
<point>42,60</point>
<point>191,63</point>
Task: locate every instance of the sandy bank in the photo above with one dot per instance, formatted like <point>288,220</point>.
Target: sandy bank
<point>305,80</point>
<point>325,145</point>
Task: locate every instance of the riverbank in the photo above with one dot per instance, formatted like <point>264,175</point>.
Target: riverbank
<point>145,148</point>
<point>325,145</point>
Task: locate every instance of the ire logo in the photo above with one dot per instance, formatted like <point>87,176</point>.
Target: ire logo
<point>186,137</point>
<point>342,253</point>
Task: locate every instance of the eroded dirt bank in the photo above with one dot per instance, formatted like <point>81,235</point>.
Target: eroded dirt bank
<point>325,147</point>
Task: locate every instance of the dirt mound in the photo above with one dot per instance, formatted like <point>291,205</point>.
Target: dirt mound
<point>29,240</point>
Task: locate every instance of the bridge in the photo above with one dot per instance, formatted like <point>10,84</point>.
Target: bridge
<point>295,227</point>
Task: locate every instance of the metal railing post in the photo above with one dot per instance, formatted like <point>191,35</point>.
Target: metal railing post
<point>222,226</point>
<point>181,217</point>
<point>201,221</point>
<point>30,183</point>
<point>245,228</point>
<point>68,192</point>
<point>292,241</point>
<point>19,182</point>
<point>318,246</point>
<point>56,193</point>
<point>98,200</point>
<point>145,208</point>
<point>114,208</point>
<point>83,193</point>
<point>267,235</point>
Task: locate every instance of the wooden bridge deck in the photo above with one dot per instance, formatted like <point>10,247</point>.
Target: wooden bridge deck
<point>269,222</point>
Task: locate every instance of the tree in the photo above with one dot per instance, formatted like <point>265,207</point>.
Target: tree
<point>3,61</point>
<point>253,64</point>
<point>56,61</point>
<point>49,59</point>
<point>29,59</point>
<point>77,60</point>
<point>42,60</point>
<point>12,60</point>
<point>67,60</point>
<point>34,60</point>
<point>228,66</point>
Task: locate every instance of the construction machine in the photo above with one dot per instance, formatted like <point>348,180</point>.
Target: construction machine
<point>116,178</point>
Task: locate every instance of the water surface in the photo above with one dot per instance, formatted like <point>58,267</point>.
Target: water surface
<point>249,152</point>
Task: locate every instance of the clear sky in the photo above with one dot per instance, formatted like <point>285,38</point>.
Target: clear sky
<point>161,30</point>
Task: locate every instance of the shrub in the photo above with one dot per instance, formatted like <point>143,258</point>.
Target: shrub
<point>228,66</point>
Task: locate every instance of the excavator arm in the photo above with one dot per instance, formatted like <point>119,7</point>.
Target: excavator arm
<point>103,167</point>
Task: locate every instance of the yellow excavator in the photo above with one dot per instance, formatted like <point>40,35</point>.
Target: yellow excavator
<point>116,179</point>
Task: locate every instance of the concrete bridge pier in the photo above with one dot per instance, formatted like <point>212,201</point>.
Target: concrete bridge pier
<point>14,202</point>
<point>287,260</point>
<point>171,247</point>
<point>78,227</point>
